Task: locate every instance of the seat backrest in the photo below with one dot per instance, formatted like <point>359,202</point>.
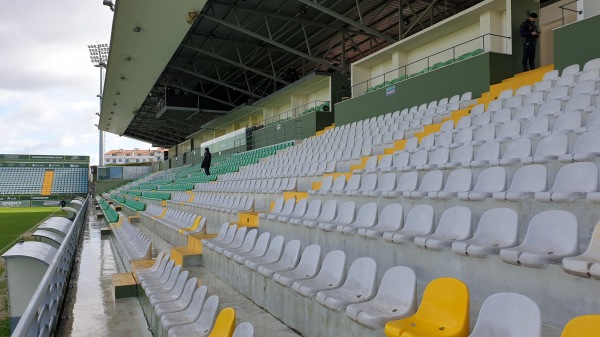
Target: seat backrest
<point>231,231</point>
<point>530,178</point>
<point>582,326</point>
<point>347,213</point>
<point>577,177</point>
<point>509,129</point>
<point>521,317</point>
<point>445,303</point>
<point>455,222</point>
<point>339,183</point>
<point>262,243</point>
<point>398,287</point>
<point>314,209</point>
<point>486,132</point>
<point>419,157</point>
<point>432,181</point>
<point>275,249</point>
<point>371,162</point>
<point>463,153</point>
<point>197,303</point>
<point>391,217</point>
<point>492,179</point>
<point>518,148</point>
<point>487,151</point>
<point>291,253</point>
<point>551,75</point>
<point>244,330</point>
<point>407,182</point>
<point>588,142</point>
<point>459,180</point>
<point>411,143</point>
<point>362,276</point>
<point>325,184</point>
<point>553,230</point>
<point>239,237</point>
<point>439,156</point>
<point>464,136</point>
<point>401,159</point>
<point>387,182</point>
<point>420,218</point>
<point>310,259</point>
<point>498,226</point>
<point>570,70</point>
<point>333,266</point>
<point>249,241</point>
<point>367,215</point>
<point>353,183</point>
<point>594,246</point>
<point>206,320</point>
<point>188,292</point>
<point>556,144</point>
<point>329,211</point>
<point>569,120</point>
<point>224,324</point>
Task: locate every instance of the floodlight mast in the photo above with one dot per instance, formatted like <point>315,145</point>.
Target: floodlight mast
<point>99,57</point>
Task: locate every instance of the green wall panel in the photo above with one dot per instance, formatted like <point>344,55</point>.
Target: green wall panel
<point>298,128</point>
<point>572,43</point>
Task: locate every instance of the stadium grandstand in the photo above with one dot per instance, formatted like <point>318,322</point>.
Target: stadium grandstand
<point>379,168</point>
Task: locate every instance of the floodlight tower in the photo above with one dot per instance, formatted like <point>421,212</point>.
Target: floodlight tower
<point>99,57</point>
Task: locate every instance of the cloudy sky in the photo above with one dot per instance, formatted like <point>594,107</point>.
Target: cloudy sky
<point>48,85</point>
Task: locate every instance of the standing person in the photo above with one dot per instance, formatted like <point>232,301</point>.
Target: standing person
<point>63,203</point>
<point>292,74</point>
<point>206,161</point>
<point>530,33</point>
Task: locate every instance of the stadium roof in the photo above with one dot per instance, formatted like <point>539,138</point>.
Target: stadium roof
<point>236,52</point>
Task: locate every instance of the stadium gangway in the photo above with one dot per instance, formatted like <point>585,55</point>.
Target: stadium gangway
<point>36,320</point>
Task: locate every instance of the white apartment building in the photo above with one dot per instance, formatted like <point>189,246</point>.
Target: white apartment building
<point>122,157</point>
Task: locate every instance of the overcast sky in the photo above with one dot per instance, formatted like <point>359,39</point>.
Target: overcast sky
<point>48,85</point>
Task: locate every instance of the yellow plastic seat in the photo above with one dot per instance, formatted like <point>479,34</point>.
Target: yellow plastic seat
<point>444,311</point>
<point>582,326</point>
<point>224,324</point>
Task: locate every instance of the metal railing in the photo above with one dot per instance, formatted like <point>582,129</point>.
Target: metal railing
<point>298,111</point>
<point>434,61</point>
<point>564,8</point>
<point>38,318</point>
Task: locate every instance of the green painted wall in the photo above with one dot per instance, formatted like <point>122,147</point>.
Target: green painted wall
<point>105,186</point>
<point>469,75</point>
<point>298,128</point>
<point>573,43</point>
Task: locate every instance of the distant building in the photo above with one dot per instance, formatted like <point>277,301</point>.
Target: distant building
<point>135,156</point>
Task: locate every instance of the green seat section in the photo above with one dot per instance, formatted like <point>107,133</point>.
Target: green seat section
<point>157,195</point>
<point>136,205</point>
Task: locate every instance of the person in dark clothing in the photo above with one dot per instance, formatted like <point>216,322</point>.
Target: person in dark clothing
<point>63,203</point>
<point>206,161</point>
<point>530,33</point>
<point>292,74</point>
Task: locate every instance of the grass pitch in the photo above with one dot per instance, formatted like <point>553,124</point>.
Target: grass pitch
<point>14,222</point>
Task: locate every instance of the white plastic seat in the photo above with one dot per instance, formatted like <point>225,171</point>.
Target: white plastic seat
<point>237,242</point>
<point>370,164</point>
<point>588,263</point>
<point>419,221</point>
<point>273,254</point>
<point>567,122</point>
<point>443,139</point>
<point>201,326</point>
<point>390,219</point>
<point>498,228</point>
<point>173,293</point>
<point>570,70</point>
<point>328,213</point>
<point>508,315</point>
<point>514,152</point>
<point>487,154</point>
<point>526,112</point>
<point>508,131</point>
<point>417,160</point>
<point>330,276</point>
<point>458,181</point>
<point>209,243</point>
<point>587,147</point>
<point>152,288</point>
<point>345,215</point>
<point>161,277</point>
<point>307,267</point>
<point>245,329</point>
<point>399,161</point>
<point>490,180</point>
<point>406,183</point>
<point>260,248</point>
<point>432,181</point>
<point>338,184</point>
<point>526,181</point>
<point>592,64</point>
<point>536,127</point>
<point>368,184</point>
<point>463,154</point>
<point>437,159</point>
<point>246,247</point>
<point>287,209</point>
<point>298,212</point>
<point>366,217</point>
<point>155,267</point>
<point>359,286</point>
<point>462,137</point>
<point>485,134</point>
<point>573,181</point>
<point>454,224</point>
<point>312,212</point>
<point>189,314</point>
<point>395,299</point>
<point>326,185</point>
<point>549,148</point>
<point>551,236</point>
<point>289,259</point>
<point>182,301</point>
<point>384,162</point>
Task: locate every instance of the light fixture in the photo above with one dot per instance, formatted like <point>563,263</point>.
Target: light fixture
<point>97,114</point>
<point>136,29</point>
<point>99,96</point>
<point>110,4</point>
<point>96,125</point>
<point>191,17</point>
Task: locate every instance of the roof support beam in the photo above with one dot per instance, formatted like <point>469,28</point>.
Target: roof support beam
<point>267,40</point>
<point>347,20</point>
<point>219,82</point>
<point>200,94</point>
<point>237,64</point>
